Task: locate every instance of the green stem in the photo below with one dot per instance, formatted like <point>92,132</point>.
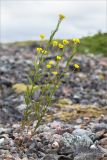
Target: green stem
<point>72,55</point>
<point>53,33</point>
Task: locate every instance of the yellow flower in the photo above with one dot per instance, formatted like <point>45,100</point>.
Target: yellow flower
<point>55,72</point>
<point>55,43</point>
<point>60,45</point>
<point>39,50</point>
<point>58,58</point>
<point>76,40</point>
<point>42,36</point>
<point>61,17</point>
<point>65,42</point>
<point>76,66</point>
<point>51,62</point>
<point>44,51</point>
<point>48,66</point>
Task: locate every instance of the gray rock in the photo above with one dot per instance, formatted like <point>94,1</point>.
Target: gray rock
<point>99,126</point>
<point>77,140</point>
<point>71,143</point>
<point>33,145</point>
<point>89,154</point>
<point>81,132</point>
<point>65,158</point>
<point>50,157</point>
<point>2,130</point>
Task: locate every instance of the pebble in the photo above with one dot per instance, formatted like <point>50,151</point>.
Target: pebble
<point>55,145</point>
<point>50,157</point>
<point>25,158</point>
<point>93,147</point>
<point>103,141</point>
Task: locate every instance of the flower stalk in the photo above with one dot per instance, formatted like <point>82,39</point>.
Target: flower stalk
<point>37,106</point>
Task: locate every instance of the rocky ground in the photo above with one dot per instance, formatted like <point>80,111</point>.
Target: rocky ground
<point>75,127</point>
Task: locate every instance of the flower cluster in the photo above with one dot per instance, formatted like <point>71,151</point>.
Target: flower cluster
<point>61,46</point>
<point>41,50</point>
<point>65,42</point>
<point>49,64</point>
<point>76,41</point>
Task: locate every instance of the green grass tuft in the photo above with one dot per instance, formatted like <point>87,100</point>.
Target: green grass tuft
<point>96,44</point>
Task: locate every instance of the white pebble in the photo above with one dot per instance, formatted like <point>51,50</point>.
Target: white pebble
<point>1,141</point>
<point>55,145</point>
<point>92,146</point>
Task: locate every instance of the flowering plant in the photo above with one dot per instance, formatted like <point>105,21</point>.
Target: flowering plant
<point>37,107</point>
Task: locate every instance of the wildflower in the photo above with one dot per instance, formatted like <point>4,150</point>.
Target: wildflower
<point>76,66</point>
<point>51,62</point>
<point>44,51</point>
<point>61,17</point>
<point>58,58</point>
<point>39,50</point>
<point>55,72</point>
<point>60,45</point>
<point>76,40</point>
<point>55,43</point>
<point>42,36</point>
<point>48,66</point>
<point>65,42</point>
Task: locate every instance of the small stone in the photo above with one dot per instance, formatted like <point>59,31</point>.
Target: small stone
<point>64,158</point>
<point>16,126</point>
<point>39,145</point>
<point>99,126</point>
<point>103,141</point>
<point>17,158</point>
<point>21,107</point>
<point>77,98</point>
<point>93,147</point>
<point>82,76</point>
<point>13,149</point>
<point>79,121</point>
<point>56,137</point>
<point>100,134</point>
<point>55,125</point>
<point>77,126</point>
<point>42,128</point>
<point>25,158</point>
<point>2,130</point>
<point>50,157</point>
<point>4,136</point>
<point>9,157</point>
<point>82,132</point>
<point>33,145</point>
<point>2,141</point>
<point>55,145</point>
<point>11,142</point>
<point>105,135</point>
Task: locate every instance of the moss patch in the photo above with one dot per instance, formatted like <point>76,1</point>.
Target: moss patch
<point>21,87</point>
<point>72,112</point>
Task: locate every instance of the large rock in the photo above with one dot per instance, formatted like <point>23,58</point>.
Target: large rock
<point>80,145</point>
